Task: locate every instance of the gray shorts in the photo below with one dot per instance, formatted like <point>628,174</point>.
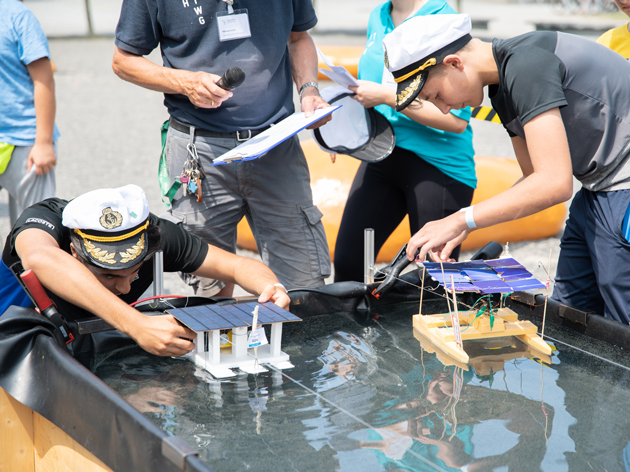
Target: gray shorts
<point>25,188</point>
<point>273,192</point>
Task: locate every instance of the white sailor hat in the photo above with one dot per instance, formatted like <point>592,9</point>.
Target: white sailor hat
<point>418,45</point>
<point>354,130</point>
<point>112,225</point>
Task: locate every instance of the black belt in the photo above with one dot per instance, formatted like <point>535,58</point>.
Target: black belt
<point>243,135</point>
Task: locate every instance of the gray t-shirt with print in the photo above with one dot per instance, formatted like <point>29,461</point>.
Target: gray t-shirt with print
<point>188,35</point>
<point>589,83</point>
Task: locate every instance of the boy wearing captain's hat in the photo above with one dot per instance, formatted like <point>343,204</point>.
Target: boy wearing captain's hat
<point>565,103</point>
<point>91,255</point>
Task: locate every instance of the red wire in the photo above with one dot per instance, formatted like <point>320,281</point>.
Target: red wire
<point>156,297</point>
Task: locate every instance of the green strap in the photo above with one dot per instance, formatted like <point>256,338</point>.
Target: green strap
<point>168,193</point>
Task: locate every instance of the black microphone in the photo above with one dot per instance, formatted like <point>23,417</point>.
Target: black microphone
<point>232,78</point>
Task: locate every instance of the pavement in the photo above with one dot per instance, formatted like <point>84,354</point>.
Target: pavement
<point>491,18</point>
<point>110,128</point>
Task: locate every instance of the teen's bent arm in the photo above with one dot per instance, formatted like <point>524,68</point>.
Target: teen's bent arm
<point>547,181</point>
<point>160,335</point>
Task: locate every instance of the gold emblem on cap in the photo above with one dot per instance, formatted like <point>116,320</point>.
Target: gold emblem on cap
<point>133,251</point>
<point>110,219</point>
<point>386,60</point>
<point>99,254</point>
<point>403,96</point>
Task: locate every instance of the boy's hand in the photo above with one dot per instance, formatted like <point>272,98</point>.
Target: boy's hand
<point>43,157</point>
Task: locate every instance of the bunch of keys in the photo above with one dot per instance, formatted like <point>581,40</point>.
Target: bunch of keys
<point>191,183</point>
<point>192,174</point>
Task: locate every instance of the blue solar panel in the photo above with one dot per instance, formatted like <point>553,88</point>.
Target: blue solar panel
<point>457,276</point>
<point>481,274</point>
<point>227,316</point>
<point>248,309</point>
<point>242,314</point>
<point>184,317</point>
<point>212,317</point>
<point>493,286</point>
<point>471,265</point>
<point>287,315</point>
<point>527,284</point>
<point>196,319</point>
<point>495,276</point>
<point>507,262</point>
<point>437,266</point>
<point>265,312</point>
<point>514,274</point>
<point>464,287</point>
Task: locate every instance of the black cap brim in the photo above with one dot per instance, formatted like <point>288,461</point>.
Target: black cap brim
<point>409,89</point>
<point>115,255</point>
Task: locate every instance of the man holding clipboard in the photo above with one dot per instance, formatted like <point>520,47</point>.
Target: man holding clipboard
<point>199,41</point>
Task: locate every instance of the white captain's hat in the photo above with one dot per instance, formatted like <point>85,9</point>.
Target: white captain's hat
<point>112,225</point>
<point>418,45</point>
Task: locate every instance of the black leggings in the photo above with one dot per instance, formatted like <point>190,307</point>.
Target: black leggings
<point>382,194</point>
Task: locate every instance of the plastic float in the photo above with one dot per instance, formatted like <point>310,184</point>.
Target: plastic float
<point>331,183</point>
<point>485,358</point>
<point>448,331</point>
<point>209,320</point>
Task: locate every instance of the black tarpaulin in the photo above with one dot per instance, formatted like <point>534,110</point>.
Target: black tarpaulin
<point>40,374</point>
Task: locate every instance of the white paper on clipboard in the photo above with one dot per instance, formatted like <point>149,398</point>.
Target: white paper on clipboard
<point>337,74</point>
<point>267,140</point>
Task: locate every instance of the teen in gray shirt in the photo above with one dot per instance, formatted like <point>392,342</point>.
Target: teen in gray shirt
<point>565,102</point>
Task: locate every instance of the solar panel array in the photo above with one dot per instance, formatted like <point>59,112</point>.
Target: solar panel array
<point>210,317</point>
<point>495,276</point>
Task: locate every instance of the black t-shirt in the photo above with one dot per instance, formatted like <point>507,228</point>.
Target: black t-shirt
<point>183,251</point>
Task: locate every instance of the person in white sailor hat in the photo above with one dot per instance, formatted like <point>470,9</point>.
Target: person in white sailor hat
<point>91,256</point>
<point>419,45</point>
<point>565,103</point>
<point>430,172</point>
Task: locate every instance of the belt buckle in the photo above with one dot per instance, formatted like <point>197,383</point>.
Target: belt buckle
<point>249,136</point>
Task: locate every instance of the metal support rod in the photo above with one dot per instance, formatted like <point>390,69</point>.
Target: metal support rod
<point>158,274</point>
<point>368,255</point>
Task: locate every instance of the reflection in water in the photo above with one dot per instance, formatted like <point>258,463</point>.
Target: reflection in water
<point>365,396</point>
<point>479,432</point>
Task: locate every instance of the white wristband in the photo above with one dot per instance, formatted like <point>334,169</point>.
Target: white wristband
<point>281,286</point>
<point>468,214</point>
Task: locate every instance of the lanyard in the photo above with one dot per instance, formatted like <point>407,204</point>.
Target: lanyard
<point>229,4</point>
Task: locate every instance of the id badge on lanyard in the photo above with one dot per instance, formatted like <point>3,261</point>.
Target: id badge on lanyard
<point>233,24</point>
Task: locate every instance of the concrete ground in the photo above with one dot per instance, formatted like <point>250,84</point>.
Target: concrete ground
<point>110,128</point>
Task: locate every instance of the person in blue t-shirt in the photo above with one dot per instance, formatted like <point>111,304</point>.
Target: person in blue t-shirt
<point>431,172</point>
<point>27,110</point>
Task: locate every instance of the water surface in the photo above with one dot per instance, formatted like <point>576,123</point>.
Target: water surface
<point>364,396</point>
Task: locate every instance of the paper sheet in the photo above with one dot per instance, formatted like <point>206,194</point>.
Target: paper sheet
<point>280,132</point>
<point>338,74</point>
